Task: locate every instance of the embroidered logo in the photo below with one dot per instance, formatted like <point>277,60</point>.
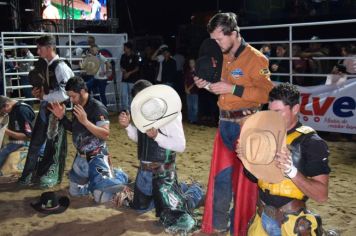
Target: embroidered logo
<point>236,74</point>
<point>265,71</point>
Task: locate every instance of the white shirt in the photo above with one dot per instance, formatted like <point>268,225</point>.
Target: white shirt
<point>63,74</point>
<point>172,138</point>
<point>160,59</point>
<point>101,74</point>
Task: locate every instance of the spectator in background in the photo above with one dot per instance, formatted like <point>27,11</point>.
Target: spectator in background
<point>266,50</point>
<point>349,63</point>
<point>280,65</point>
<point>299,65</point>
<point>25,67</point>
<point>50,12</point>
<point>191,91</point>
<point>130,74</point>
<point>99,81</point>
<point>315,65</point>
<point>167,72</point>
<point>148,66</point>
<point>180,61</point>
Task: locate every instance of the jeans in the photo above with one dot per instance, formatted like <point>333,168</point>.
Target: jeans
<point>7,150</point>
<point>222,199</point>
<point>95,175</point>
<point>126,97</point>
<point>192,105</point>
<point>229,131</point>
<point>270,225</point>
<point>98,86</point>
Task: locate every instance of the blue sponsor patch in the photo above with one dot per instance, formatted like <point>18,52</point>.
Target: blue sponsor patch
<point>236,73</point>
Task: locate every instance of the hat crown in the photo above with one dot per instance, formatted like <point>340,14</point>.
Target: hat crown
<point>154,109</point>
<point>49,200</point>
<point>259,146</point>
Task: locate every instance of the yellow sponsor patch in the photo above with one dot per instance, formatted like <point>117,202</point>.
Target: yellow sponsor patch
<point>265,71</point>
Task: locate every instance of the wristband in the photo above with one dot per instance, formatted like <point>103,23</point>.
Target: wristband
<point>233,89</point>
<point>292,171</point>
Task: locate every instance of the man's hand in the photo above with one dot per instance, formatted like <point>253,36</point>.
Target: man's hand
<point>285,163</point>
<point>38,93</point>
<point>57,109</point>
<point>152,133</point>
<point>124,119</point>
<point>221,87</point>
<point>81,115</point>
<point>200,83</point>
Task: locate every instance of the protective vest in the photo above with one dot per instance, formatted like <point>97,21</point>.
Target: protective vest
<point>51,82</point>
<point>287,188</point>
<point>148,150</point>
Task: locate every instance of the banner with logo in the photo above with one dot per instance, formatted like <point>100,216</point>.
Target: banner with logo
<point>330,107</point>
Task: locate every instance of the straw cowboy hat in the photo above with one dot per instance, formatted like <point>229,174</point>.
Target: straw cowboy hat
<point>154,107</point>
<point>51,203</point>
<point>263,135</point>
<point>91,65</point>
<point>209,63</point>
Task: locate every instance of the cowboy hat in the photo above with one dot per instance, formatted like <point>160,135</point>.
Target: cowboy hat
<point>91,64</point>
<point>154,107</point>
<point>209,63</point>
<point>50,203</point>
<point>263,135</point>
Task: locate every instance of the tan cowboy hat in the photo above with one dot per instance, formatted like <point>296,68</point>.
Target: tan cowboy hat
<point>91,65</point>
<point>154,107</point>
<point>263,135</point>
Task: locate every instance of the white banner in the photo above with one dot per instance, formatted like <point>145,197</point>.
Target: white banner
<point>329,107</point>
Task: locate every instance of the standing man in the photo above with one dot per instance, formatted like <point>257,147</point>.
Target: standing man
<point>281,206</point>
<point>130,73</point>
<point>19,130</point>
<point>99,81</point>
<point>50,167</point>
<point>244,86</point>
<point>90,130</point>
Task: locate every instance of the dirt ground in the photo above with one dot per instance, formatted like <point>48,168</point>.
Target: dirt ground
<point>84,217</point>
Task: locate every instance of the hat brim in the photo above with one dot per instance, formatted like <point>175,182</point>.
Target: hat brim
<point>273,122</point>
<point>164,92</point>
<point>63,203</point>
<point>209,51</point>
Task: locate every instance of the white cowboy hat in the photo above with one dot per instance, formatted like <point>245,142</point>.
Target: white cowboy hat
<point>263,134</point>
<point>154,107</point>
<point>91,65</point>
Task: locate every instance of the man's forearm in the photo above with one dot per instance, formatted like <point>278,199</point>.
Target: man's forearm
<point>315,188</point>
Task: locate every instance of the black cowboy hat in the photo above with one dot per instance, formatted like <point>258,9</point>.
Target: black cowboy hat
<point>50,203</point>
<point>209,63</point>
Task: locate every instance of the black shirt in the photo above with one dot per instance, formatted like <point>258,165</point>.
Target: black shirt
<point>83,139</point>
<point>21,119</point>
<point>314,154</point>
<point>129,63</point>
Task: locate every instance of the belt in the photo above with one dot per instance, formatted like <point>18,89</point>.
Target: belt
<point>89,155</point>
<point>156,167</point>
<point>236,115</point>
<point>278,213</point>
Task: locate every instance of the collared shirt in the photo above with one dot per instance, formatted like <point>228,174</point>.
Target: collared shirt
<point>170,136</point>
<point>249,69</point>
<point>63,74</point>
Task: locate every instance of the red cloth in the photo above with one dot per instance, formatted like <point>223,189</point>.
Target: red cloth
<point>245,190</point>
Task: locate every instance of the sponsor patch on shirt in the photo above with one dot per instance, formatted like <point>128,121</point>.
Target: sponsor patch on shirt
<point>237,73</point>
<point>265,71</point>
